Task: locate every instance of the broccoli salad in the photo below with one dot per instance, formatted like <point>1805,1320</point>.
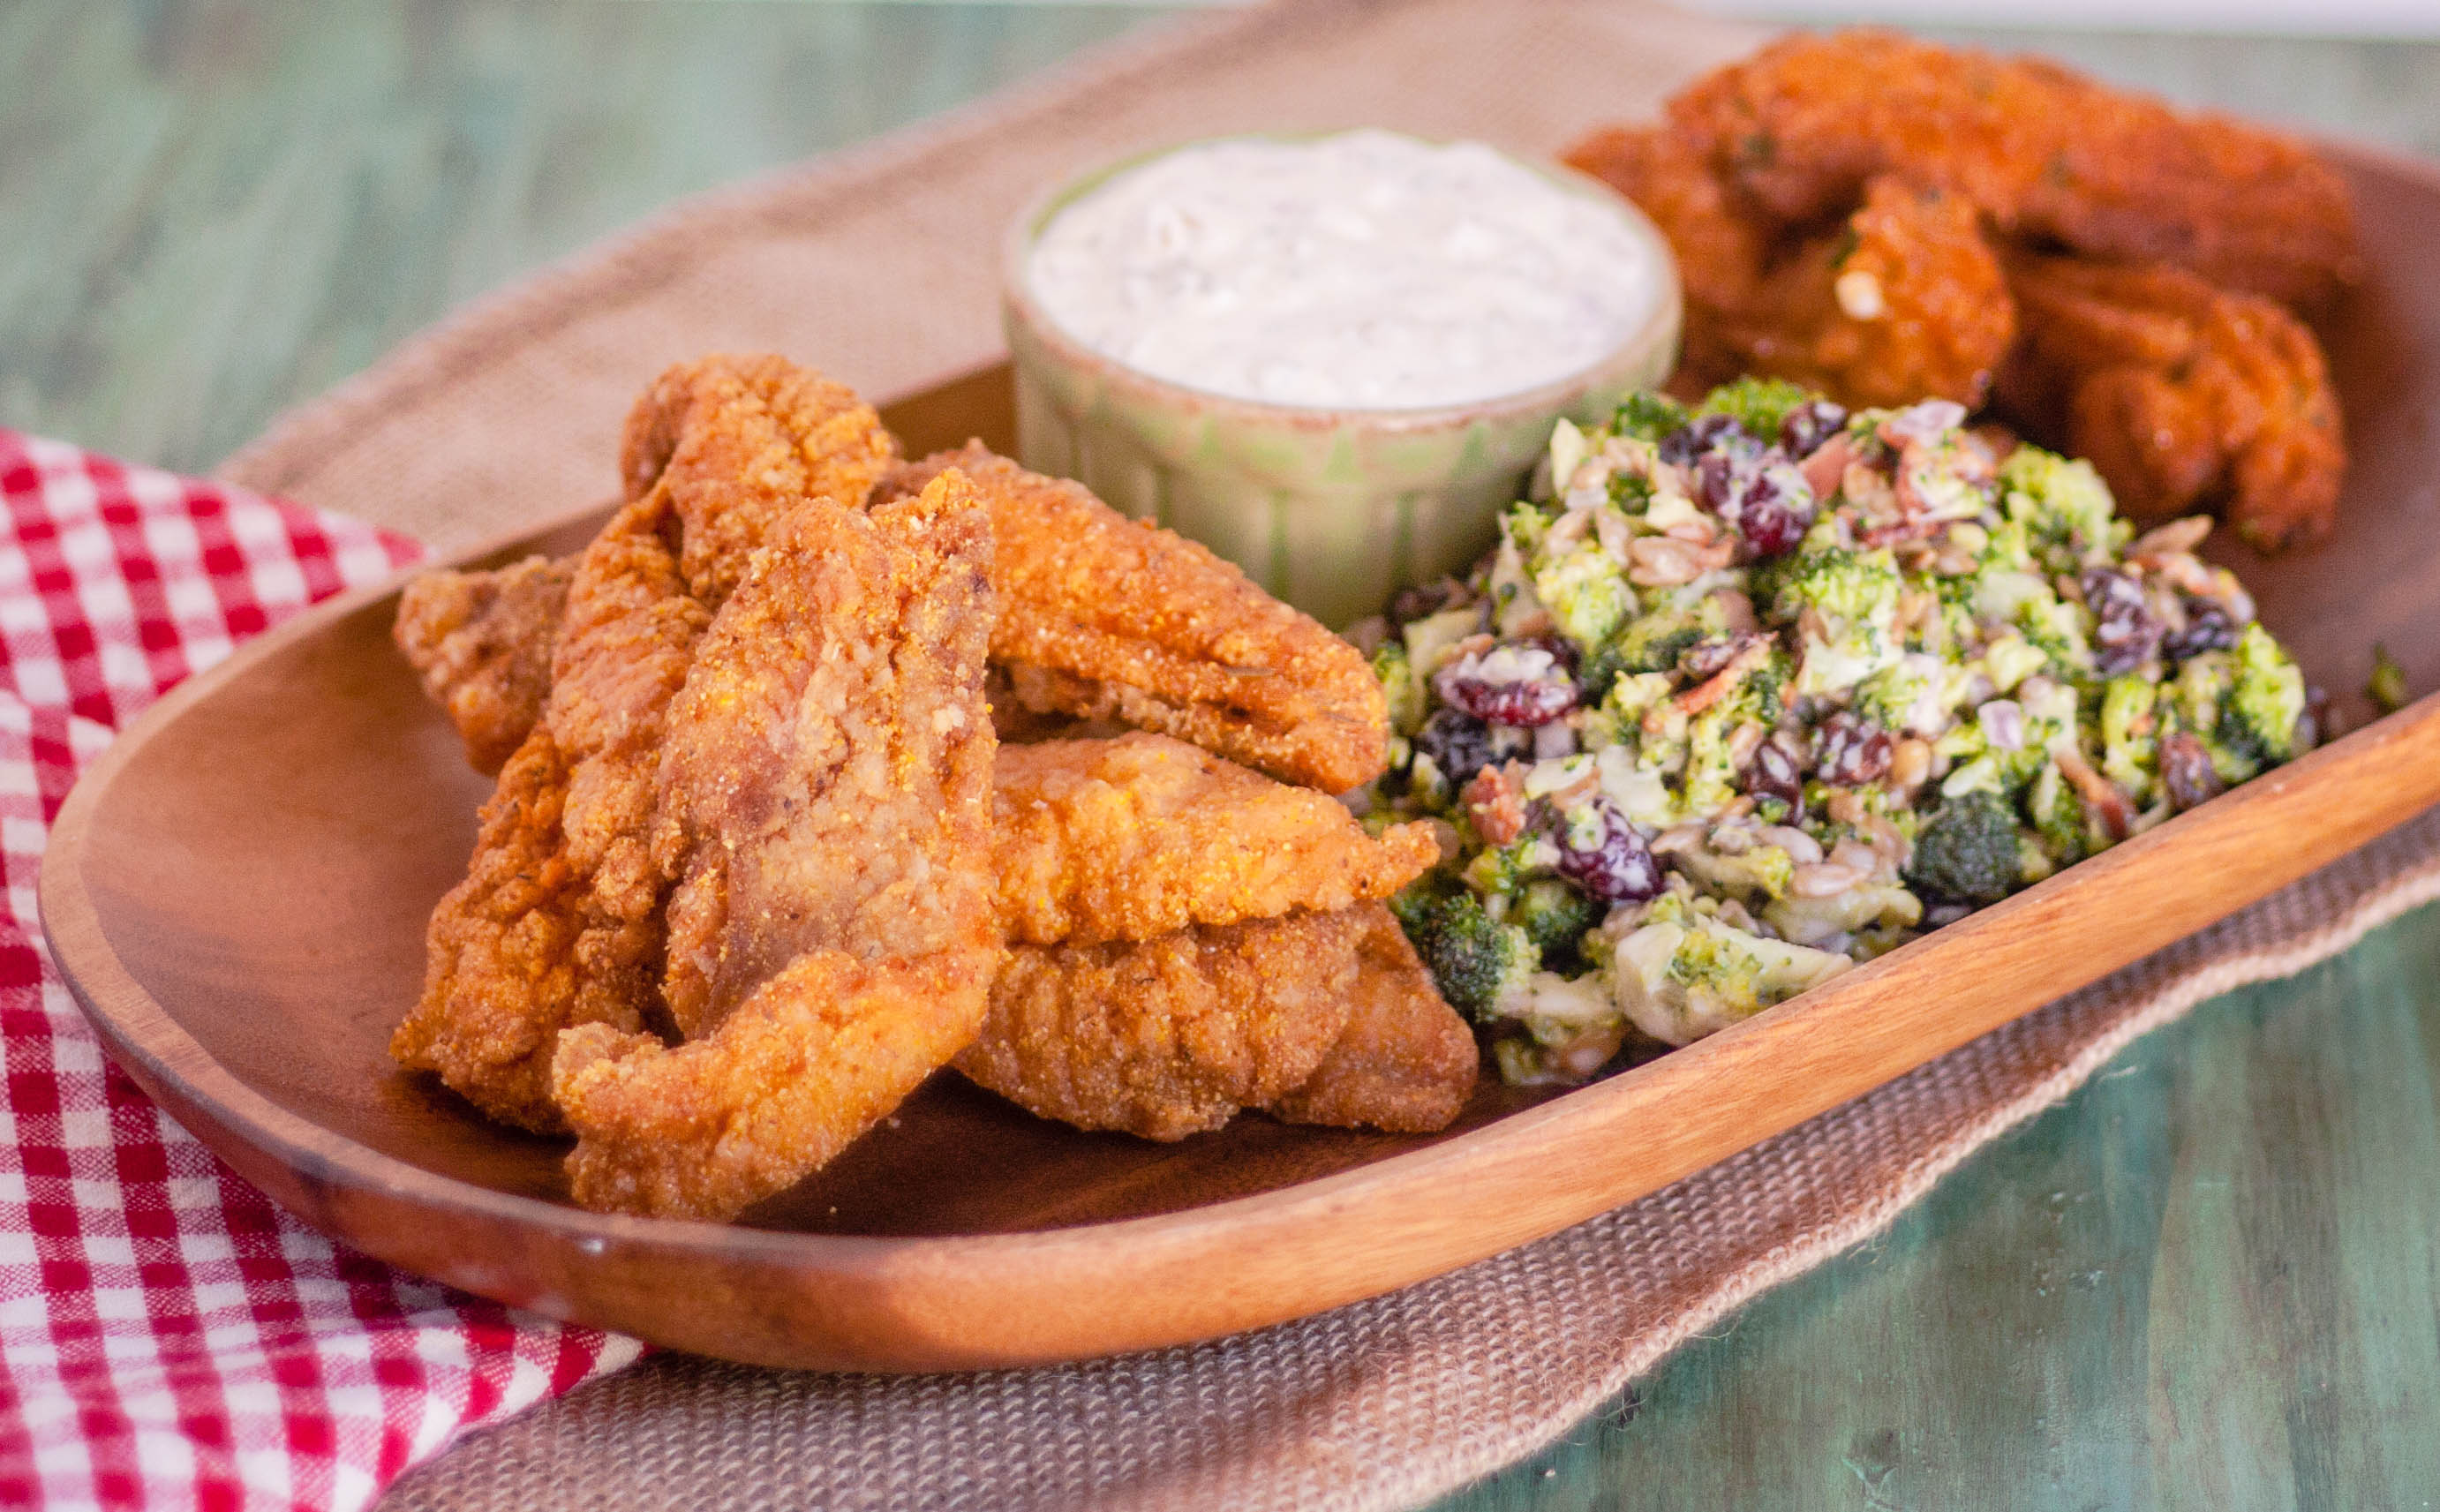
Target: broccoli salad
<point>1752,692</point>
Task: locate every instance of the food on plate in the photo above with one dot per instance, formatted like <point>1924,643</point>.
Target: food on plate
<point>2181,394</point>
<point>1138,836</point>
<point>481,641</point>
<point>1328,1015</point>
<point>1356,270</point>
<point>1101,618</point>
<point>1756,689</point>
<point>740,886</point>
<point>557,922</point>
<point>1106,617</point>
<point>823,815</point>
<point>2049,157</point>
<point>1886,219</point>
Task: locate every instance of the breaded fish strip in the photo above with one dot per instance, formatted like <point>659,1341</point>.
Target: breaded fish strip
<point>739,442</point>
<point>2183,396</point>
<point>1324,1016</point>
<point>556,923</point>
<point>481,642</point>
<point>1905,300</point>
<point>1802,125</point>
<point>825,807</point>
<point>1406,1062</point>
<point>1106,617</point>
<point>1133,837</point>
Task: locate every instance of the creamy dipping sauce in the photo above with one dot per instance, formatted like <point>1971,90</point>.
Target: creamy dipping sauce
<point>1360,271</point>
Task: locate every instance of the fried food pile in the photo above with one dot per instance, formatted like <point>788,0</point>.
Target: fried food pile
<point>757,863</point>
<point>1884,219</point>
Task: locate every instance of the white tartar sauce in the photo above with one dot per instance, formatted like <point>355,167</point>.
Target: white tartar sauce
<point>1364,270</point>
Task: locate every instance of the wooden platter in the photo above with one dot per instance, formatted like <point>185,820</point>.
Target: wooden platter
<point>236,890</point>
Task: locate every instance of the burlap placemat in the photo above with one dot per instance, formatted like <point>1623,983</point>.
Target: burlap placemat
<point>878,265</point>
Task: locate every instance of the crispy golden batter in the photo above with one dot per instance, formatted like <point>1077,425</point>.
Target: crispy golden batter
<point>1106,617</point>
<point>557,921</point>
<point>1133,837</point>
<point>1802,126</point>
<point>1406,1062</point>
<point>739,442</point>
<point>2181,395</point>
<point>481,642</point>
<point>824,808</point>
<point>1323,1017</point>
<point>1168,1037</point>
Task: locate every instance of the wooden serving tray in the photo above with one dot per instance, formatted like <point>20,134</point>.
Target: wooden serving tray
<point>237,892</point>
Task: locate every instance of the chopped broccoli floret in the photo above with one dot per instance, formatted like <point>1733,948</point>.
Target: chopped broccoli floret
<point>1400,688</point>
<point>1968,850</point>
<point>1681,973</point>
<point>1759,404</point>
<point>1854,596</point>
<point>1653,641</point>
<point>2061,502</point>
<point>1555,914</point>
<point>2059,818</point>
<point>2131,736</point>
<point>2387,688</point>
<point>1647,416</point>
<point>1475,961</point>
<point>2055,628</point>
<point>1907,695</point>
<point>1586,592</point>
<point>2268,698</point>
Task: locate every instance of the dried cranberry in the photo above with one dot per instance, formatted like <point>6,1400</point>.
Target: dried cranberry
<point>1525,684</point>
<point>1849,752</point>
<point>1458,744</point>
<point>1425,599</point>
<point>1601,852</point>
<point>1774,512</point>
<point>2187,772</point>
<point>2209,627</point>
<point>2125,632</point>
<point>1776,772</point>
<point>1706,433</point>
<point>1720,481</point>
<point>1809,424</point>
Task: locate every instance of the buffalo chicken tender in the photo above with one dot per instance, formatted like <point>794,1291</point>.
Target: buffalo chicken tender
<point>1172,1036</point>
<point>2183,396</point>
<point>1136,837</point>
<point>824,808</point>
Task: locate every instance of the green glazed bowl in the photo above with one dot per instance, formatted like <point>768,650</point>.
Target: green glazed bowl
<point>1332,509</point>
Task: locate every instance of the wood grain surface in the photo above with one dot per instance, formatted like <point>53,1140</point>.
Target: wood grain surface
<point>2207,1280</point>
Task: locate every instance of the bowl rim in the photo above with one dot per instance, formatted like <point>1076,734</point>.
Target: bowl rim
<point>1028,323</point>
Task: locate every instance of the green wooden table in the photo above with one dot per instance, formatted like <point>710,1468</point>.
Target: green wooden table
<point>2210,1279</point>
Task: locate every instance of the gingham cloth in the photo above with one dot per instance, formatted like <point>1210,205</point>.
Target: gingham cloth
<point>167,1337</point>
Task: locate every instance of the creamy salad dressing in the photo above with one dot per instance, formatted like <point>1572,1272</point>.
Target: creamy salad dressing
<point>1359,270</point>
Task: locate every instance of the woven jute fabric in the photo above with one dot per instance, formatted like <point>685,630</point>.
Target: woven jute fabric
<point>880,266</point>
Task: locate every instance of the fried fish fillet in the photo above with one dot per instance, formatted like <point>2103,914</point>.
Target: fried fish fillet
<point>1103,617</point>
<point>824,807</point>
<point>1136,837</point>
<point>1318,1015</point>
<point>1405,1062</point>
<point>2181,395</point>
<point>1799,129</point>
<point>481,642</point>
<point>739,442</point>
<point>557,921</point>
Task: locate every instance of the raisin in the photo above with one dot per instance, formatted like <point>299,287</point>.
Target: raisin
<point>1525,684</point>
<point>2187,772</point>
<point>1849,752</point>
<point>1809,424</point>
<point>1458,744</point>
<point>1775,771</point>
<point>2209,627</point>
<point>1707,433</point>
<point>2125,632</point>
<point>1601,852</point>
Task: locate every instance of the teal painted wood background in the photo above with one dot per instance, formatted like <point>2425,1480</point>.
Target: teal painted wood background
<point>2208,1280</point>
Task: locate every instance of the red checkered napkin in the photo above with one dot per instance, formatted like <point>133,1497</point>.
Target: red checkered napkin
<point>167,1337</point>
